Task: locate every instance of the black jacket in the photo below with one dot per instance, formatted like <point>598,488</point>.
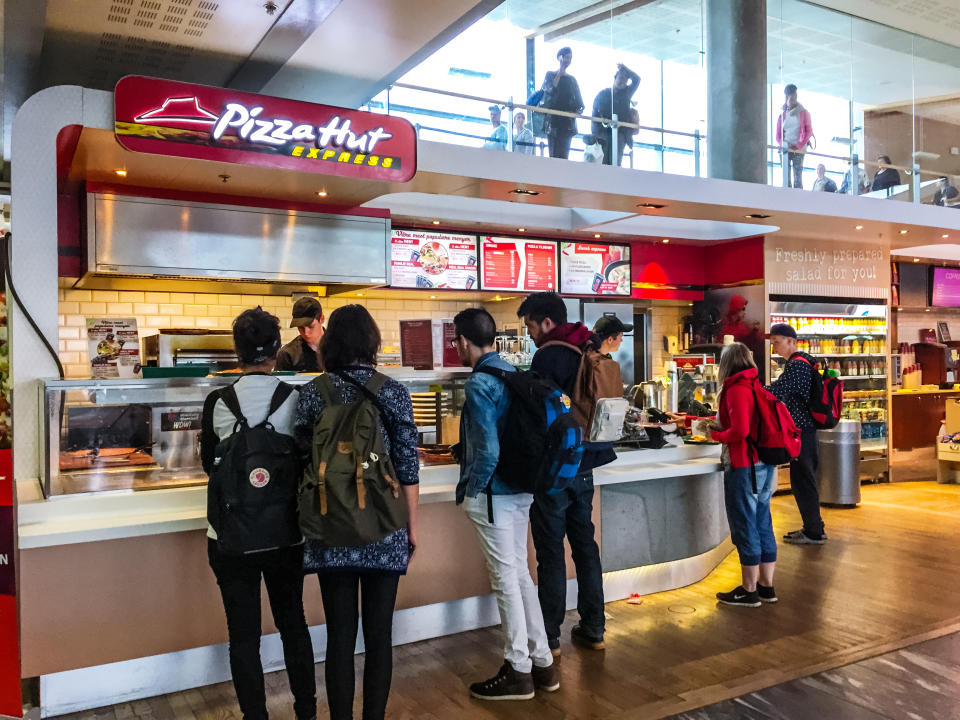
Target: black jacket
<point>885,179</point>
<point>298,355</point>
<point>612,100</point>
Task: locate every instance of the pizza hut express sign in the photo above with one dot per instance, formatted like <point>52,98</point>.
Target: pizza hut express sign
<point>165,117</point>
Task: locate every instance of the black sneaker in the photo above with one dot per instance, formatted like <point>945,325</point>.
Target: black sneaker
<point>546,678</point>
<point>739,597</point>
<point>799,537</point>
<point>767,594</point>
<point>578,636</point>
<point>508,684</point>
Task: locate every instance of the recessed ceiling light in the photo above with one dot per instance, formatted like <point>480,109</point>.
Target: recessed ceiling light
<point>916,259</point>
<point>859,227</point>
<point>121,173</point>
<point>433,297</point>
<point>497,298</point>
<point>650,206</point>
<point>524,191</point>
<point>945,236</point>
<point>321,193</point>
<point>521,229</point>
<point>597,235</point>
<point>903,232</point>
<point>926,309</point>
<point>359,294</point>
<point>666,241</point>
<point>689,304</point>
<point>756,216</point>
<point>436,222</point>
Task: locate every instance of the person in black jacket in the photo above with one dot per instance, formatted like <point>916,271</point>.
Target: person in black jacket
<point>565,512</point>
<point>793,389</point>
<point>886,177</point>
<point>561,92</point>
<point>615,100</point>
<point>303,352</point>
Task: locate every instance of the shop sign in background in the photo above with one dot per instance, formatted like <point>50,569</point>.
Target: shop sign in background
<point>823,268</point>
<point>165,117</point>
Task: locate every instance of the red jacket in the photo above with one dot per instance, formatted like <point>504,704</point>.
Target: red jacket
<point>737,407</point>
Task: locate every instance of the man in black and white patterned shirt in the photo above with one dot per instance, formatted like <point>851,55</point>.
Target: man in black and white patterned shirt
<point>793,389</point>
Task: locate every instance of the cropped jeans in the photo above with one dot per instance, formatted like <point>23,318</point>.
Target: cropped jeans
<point>748,513</point>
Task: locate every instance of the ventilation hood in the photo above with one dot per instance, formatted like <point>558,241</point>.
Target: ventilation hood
<point>137,243</point>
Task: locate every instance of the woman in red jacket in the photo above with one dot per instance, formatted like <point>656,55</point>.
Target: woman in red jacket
<point>748,504</point>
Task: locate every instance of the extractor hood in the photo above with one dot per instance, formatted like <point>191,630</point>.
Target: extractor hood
<point>137,243</point>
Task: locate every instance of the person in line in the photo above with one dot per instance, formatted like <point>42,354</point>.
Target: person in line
<point>302,353</point>
<point>951,197</point>
<point>823,183</point>
<point>523,140</point>
<point>367,577</point>
<point>501,518</point>
<point>611,101</point>
<point>794,130</point>
<point>886,177</point>
<point>748,508</point>
<point>561,92</point>
<point>567,511</point>
<point>256,337</point>
<point>498,138</point>
<point>793,389</point>
<point>609,331</point>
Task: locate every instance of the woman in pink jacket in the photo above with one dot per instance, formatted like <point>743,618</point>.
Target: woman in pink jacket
<point>794,130</point>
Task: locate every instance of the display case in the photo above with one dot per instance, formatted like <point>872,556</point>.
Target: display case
<point>135,435</point>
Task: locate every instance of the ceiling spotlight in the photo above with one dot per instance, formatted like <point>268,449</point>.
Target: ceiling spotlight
<point>121,173</point>
<point>945,236</point>
<point>756,216</point>
<point>521,229</point>
<point>524,191</point>
<point>903,232</point>
<point>859,227</point>
<point>321,193</point>
<point>597,235</point>
<point>689,304</point>
<point>359,294</point>
<point>916,259</point>
<point>433,297</point>
<point>436,222</point>
<point>650,206</point>
<point>666,241</point>
<point>926,310</point>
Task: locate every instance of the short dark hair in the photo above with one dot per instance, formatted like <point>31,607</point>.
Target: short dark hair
<point>541,305</point>
<point>885,158</point>
<point>256,336</point>
<point>563,51</point>
<point>790,89</point>
<point>477,326</point>
<point>352,338</point>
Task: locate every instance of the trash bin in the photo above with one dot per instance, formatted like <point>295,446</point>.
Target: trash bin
<point>838,473</point>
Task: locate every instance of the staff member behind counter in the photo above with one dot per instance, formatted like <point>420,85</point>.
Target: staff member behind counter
<point>302,353</point>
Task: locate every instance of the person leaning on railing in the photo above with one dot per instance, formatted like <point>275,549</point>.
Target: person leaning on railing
<point>615,100</point>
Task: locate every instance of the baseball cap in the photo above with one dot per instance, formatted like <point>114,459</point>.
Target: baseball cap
<point>305,311</point>
<point>783,330</point>
<point>610,325</point>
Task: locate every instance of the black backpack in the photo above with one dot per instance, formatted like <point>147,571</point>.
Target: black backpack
<point>541,445</point>
<point>252,494</point>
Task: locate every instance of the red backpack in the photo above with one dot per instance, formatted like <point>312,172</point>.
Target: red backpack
<point>776,439</point>
<point>826,397</point>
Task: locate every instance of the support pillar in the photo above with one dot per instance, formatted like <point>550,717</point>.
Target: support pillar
<point>737,89</point>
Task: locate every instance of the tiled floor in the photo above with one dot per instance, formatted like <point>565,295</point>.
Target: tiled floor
<point>921,682</point>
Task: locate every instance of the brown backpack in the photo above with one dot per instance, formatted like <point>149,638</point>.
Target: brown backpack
<point>598,377</point>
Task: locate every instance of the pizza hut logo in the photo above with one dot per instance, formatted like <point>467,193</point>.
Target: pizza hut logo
<point>259,477</point>
<point>185,110</point>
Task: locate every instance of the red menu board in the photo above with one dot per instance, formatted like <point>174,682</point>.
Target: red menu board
<point>592,269</point>
<point>513,264</point>
<point>420,259</point>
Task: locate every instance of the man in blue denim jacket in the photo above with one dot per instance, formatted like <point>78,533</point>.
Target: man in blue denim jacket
<point>501,517</point>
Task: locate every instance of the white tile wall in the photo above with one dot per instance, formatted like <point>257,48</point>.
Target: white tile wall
<point>910,322</point>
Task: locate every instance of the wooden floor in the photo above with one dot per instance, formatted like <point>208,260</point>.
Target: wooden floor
<point>886,579</point>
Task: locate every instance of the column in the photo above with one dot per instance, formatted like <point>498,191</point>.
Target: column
<point>737,89</point>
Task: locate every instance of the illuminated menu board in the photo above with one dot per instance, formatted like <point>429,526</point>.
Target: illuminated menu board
<point>515,264</point>
<point>593,269</point>
<point>420,259</point>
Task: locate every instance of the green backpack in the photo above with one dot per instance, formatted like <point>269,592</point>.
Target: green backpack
<point>349,495</point>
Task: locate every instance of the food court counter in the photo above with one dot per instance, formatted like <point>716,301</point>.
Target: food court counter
<point>115,587</point>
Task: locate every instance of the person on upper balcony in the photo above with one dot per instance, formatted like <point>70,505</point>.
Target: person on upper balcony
<point>561,92</point>
<point>823,183</point>
<point>523,140</point>
<point>498,138</point>
<point>886,177</point>
<point>951,197</point>
<point>794,131</point>
<point>611,101</point>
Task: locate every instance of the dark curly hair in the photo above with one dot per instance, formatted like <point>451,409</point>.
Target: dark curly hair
<point>351,338</point>
<point>256,336</point>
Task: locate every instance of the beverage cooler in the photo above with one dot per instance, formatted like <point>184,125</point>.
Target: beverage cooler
<point>851,338</point>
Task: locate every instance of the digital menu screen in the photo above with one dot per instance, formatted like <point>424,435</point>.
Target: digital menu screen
<point>514,264</point>
<point>945,290</point>
<point>593,269</point>
<point>430,260</point>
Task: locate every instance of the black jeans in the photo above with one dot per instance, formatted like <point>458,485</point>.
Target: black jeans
<point>239,579</point>
<point>803,482</point>
<point>552,516</point>
<point>344,595</point>
<point>558,143</point>
<point>795,162</point>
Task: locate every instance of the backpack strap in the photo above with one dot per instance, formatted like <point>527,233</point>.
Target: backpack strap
<point>230,399</point>
<point>562,343</point>
<point>280,395</point>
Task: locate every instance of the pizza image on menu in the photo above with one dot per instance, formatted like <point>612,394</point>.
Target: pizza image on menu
<point>434,258</point>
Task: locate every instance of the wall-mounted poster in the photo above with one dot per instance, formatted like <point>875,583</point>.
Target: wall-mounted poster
<point>593,269</point>
<point>114,347</point>
<point>514,264</point>
<point>428,260</point>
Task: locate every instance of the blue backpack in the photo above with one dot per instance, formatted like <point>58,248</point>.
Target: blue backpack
<point>542,445</point>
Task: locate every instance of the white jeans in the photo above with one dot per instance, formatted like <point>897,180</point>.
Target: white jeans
<point>504,545</point>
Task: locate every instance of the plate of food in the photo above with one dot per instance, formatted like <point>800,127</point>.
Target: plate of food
<point>619,272</point>
<point>434,258</point>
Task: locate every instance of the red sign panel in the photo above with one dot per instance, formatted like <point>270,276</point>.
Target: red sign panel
<point>513,264</point>
<point>165,117</point>
<point>10,701</point>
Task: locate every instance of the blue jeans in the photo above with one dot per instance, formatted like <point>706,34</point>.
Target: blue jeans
<point>751,528</point>
<point>567,512</point>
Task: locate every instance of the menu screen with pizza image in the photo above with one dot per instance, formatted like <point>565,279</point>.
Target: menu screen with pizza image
<point>594,269</point>
<point>430,260</point>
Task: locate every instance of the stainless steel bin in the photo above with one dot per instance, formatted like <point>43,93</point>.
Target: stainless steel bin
<point>838,474</point>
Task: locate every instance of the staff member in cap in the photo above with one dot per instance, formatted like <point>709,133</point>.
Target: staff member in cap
<point>302,353</point>
<point>609,330</point>
<point>793,389</point>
